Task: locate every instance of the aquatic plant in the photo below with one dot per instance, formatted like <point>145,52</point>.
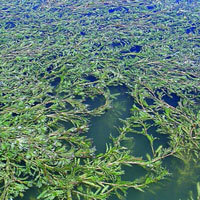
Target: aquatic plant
<point>56,54</point>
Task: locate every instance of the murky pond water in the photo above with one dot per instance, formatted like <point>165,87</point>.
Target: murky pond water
<point>106,125</point>
<point>180,185</point>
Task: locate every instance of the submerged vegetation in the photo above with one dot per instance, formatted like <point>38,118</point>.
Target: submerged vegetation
<point>56,56</point>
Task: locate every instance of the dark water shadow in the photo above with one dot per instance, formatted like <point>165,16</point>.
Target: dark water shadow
<point>90,78</point>
<point>170,98</point>
<point>98,101</point>
<point>30,194</point>
<point>55,82</point>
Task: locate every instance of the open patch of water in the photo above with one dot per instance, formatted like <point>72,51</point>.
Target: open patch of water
<point>104,126</point>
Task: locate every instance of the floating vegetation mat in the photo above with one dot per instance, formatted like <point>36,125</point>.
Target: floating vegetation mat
<point>60,64</point>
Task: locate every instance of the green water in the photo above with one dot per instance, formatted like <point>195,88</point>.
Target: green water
<point>106,125</point>
<point>184,176</point>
